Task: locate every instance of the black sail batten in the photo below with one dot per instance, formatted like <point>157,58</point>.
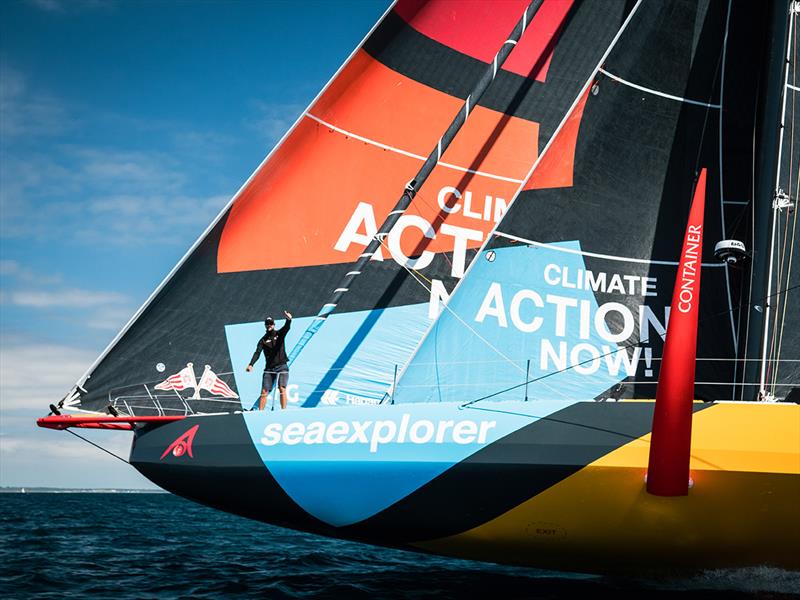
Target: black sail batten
<point>421,176</point>
<point>766,168</point>
<point>193,314</point>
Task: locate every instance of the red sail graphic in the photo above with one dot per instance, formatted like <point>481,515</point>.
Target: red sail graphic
<point>668,469</point>
<point>182,445</point>
<point>478,28</point>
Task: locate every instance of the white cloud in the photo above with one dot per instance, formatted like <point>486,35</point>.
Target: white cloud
<point>9,267</point>
<point>60,6</point>
<point>109,318</point>
<point>64,298</point>
<point>149,219</point>
<point>108,197</point>
<point>47,5</point>
<point>35,375</point>
<point>49,458</point>
<point>93,194</point>
<point>105,310</point>
<point>273,120</point>
<point>106,168</point>
<point>12,268</point>
<point>20,446</point>
<point>32,376</point>
<point>28,112</point>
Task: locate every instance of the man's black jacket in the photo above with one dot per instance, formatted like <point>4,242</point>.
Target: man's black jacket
<point>273,346</point>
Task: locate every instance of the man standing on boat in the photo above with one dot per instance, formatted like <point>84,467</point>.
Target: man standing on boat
<point>276,366</point>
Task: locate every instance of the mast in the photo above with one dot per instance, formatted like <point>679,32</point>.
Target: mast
<point>776,205</point>
<point>422,175</point>
<point>769,107</point>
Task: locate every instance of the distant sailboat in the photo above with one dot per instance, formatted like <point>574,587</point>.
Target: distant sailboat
<point>474,365</point>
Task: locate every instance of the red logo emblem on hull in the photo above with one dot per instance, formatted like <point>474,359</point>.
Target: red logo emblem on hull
<point>183,445</point>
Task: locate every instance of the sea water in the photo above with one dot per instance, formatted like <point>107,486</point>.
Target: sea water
<point>132,546</point>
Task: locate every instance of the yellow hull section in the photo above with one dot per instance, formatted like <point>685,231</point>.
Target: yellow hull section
<point>743,508</point>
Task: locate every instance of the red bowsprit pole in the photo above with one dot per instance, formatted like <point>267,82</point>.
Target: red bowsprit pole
<point>102,422</point>
<point>670,448</point>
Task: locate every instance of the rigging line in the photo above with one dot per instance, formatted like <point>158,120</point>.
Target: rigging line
<point>595,254</point>
<point>419,179</point>
<point>767,344</point>
<point>752,242</point>
<point>551,373</point>
<point>788,278</point>
<point>419,157</point>
<point>656,92</point>
<point>742,305</point>
<point>777,327</point>
<point>722,178</point>
<point>414,273</point>
<point>793,87</point>
<point>794,65</point>
<point>415,207</point>
<point>97,446</point>
<point>541,156</point>
<point>779,321</point>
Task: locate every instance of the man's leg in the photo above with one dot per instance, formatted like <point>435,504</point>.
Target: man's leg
<point>266,387</point>
<point>283,381</point>
<point>282,390</point>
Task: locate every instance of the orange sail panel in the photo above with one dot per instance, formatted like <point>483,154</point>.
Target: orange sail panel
<point>668,469</point>
<point>354,149</point>
<point>556,168</point>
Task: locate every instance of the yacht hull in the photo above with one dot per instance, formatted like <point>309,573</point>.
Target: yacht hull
<point>551,486</point>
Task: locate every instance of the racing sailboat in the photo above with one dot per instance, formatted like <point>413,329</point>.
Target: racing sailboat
<point>474,366</point>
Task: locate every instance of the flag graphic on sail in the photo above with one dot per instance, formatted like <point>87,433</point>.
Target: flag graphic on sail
<point>211,382</point>
<point>182,380</point>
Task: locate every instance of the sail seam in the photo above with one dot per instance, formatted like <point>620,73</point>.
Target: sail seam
<point>383,146</point>
<point>656,92</point>
<point>595,254</point>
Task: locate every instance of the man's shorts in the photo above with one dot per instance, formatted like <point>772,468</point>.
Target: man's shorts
<point>279,372</point>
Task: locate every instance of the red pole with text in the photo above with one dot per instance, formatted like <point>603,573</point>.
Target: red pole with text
<point>670,447</point>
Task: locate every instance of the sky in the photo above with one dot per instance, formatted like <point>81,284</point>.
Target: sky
<point>125,127</point>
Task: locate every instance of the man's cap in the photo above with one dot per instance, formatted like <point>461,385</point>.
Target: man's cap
<point>269,321</point>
